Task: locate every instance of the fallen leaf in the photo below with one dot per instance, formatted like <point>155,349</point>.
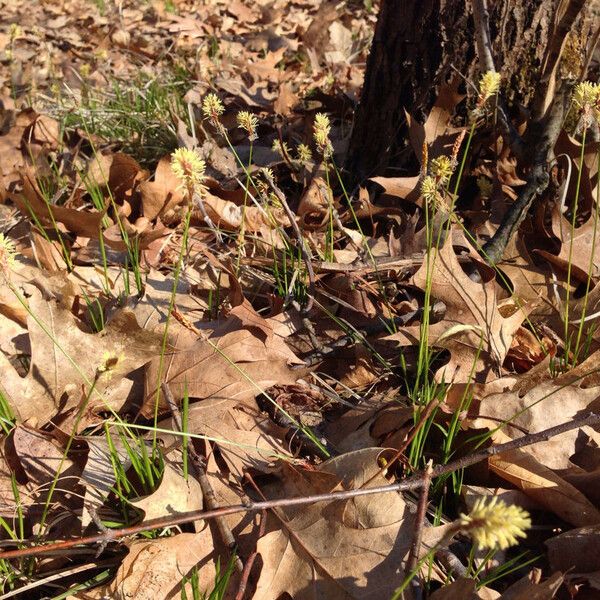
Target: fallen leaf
<point>346,549</point>
<point>543,485</point>
<point>65,357</point>
<point>483,336</point>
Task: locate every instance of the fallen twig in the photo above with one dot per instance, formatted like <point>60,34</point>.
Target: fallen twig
<point>415,550</point>
<point>411,483</point>
<point>250,561</point>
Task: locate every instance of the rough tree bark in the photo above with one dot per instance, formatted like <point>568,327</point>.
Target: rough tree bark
<point>417,45</point>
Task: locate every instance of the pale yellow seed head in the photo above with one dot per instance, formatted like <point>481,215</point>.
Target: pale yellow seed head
<point>586,94</point>
<point>489,84</point>
<point>212,107</point>
<point>586,98</point>
<point>189,168</point>
<point>8,251</point>
<point>14,31</point>
<point>429,188</point>
<point>304,153</point>
<point>494,524</point>
<point>281,149</point>
<point>249,122</point>
<point>322,129</point>
<point>442,168</point>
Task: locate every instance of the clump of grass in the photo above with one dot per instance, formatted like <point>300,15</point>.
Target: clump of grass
<point>220,585</point>
<point>140,115</point>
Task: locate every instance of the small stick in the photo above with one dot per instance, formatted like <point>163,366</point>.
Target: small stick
<point>415,550</point>
<point>451,562</point>
<point>250,562</point>
<point>261,531</point>
<point>410,483</point>
<point>207,492</point>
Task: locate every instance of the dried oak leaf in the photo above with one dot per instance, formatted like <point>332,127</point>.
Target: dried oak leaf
<point>437,132</point>
<point>237,365</point>
<point>529,282</point>
<point>339,550</point>
<point>576,550</point>
<point>246,438</point>
<point>173,495</point>
<point>473,328</point>
<point>163,193</point>
<point>531,587</point>
<point>64,358</point>
<point>579,248</point>
<point>81,222</point>
<point>546,405</point>
<point>154,569</point>
<point>542,484</point>
<point>118,172</point>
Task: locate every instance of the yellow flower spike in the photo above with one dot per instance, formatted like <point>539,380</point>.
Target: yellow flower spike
<point>8,251</point>
<point>442,168</point>
<point>249,122</point>
<point>429,189</point>
<point>268,173</point>
<point>212,107</point>
<point>495,524</point>
<point>586,98</point>
<point>282,149</point>
<point>586,94</point>
<point>303,152</point>
<point>189,168</point>
<point>489,84</point>
<point>322,129</point>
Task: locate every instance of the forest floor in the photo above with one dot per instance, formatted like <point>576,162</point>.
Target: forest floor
<point>197,312</point>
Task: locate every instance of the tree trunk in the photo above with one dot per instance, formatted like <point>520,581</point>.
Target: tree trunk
<point>419,44</point>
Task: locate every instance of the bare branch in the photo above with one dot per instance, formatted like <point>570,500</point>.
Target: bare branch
<point>411,483</point>
<point>415,550</point>
<point>481,17</point>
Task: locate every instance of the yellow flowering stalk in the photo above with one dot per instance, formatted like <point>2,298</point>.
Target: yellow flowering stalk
<point>429,189</point>
<point>489,84</point>
<point>14,32</point>
<point>322,129</point>
<point>8,251</point>
<point>249,122</point>
<point>189,168</point>
<point>85,70</point>
<point>442,168</point>
<point>494,524</point>
<point>586,97</point>
<point>281,148</point>
<point>432,185</point>
<point>212,109</point>
<point>304,154</point>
